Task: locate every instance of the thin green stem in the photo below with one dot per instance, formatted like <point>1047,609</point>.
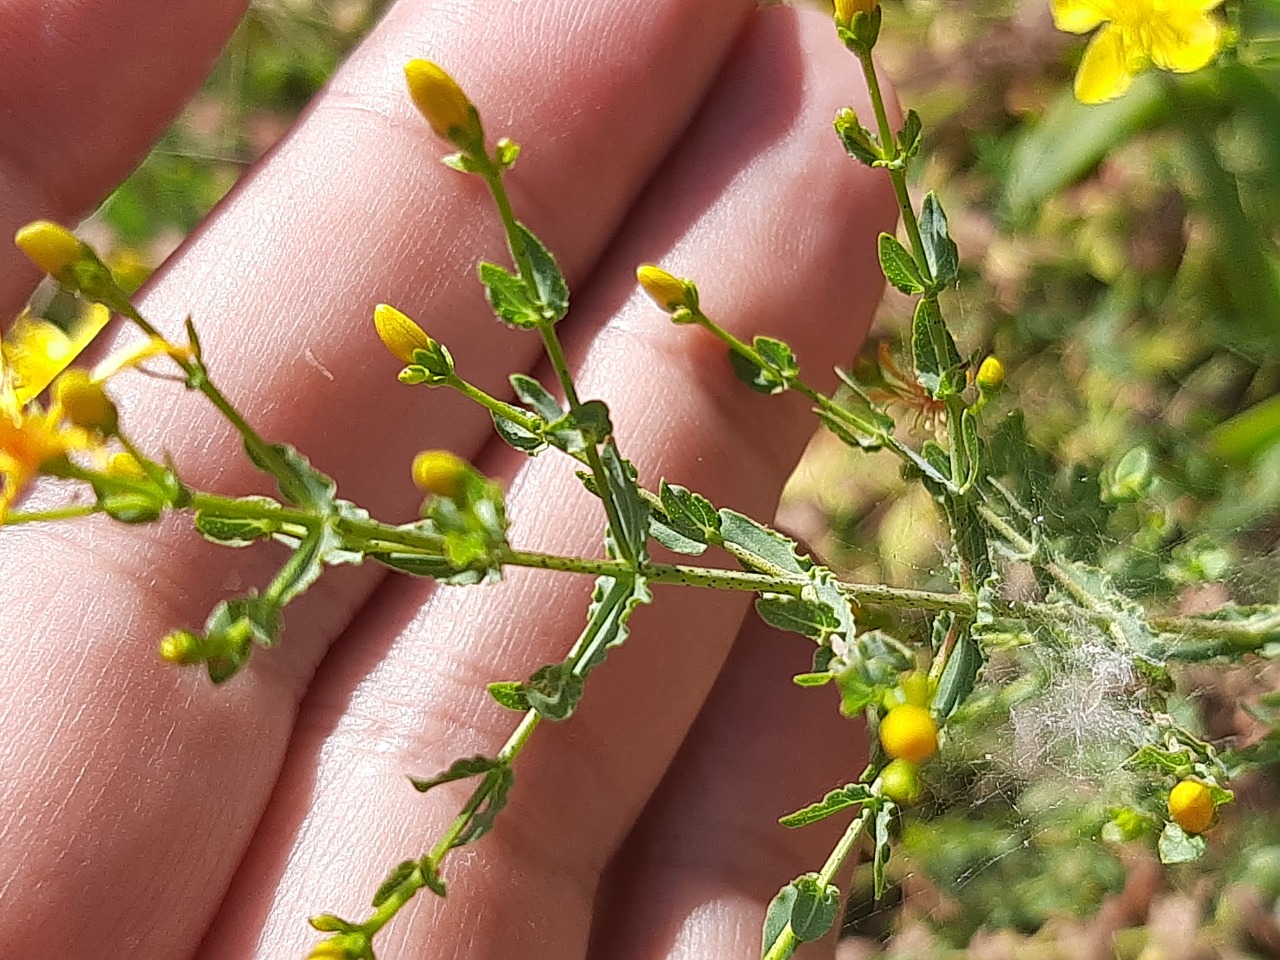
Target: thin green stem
<point>198,377</point>
<point>897,173</point>
<point>495,406</point>
<point>786,941</point>
<point>492,175</point>
<point>57,513</point>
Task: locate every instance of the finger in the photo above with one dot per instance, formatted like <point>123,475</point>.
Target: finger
<point>85,89</point>
<point>405,691</point>
<point>153,764</point>
<point>696,875</point>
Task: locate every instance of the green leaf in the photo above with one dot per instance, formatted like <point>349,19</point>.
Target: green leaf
<point>1178,846</point>
<point>774,371</point>
<point>842,798</point>
<point>809,618</point>
<point>757,543</point>
<point>777,918</point>
<point>759,378</point>
<point>536,396</point>
<point>673,540</point>
<point>547,283</point>
<point>505,153</point>
<point>131,507</point>
<point>436,361</point>
<point>509,297</point>
<point>1178,763</point>
<point>870,665</point>
<point>230,631</point>
<point>937,360</point>
<point>328,923</point>
<point>304,566</point>
<point>960,675</point>
<point>498,782</point>
<point>398,875</point>
<point>1249,433</point>
<point>237,531</point>
<point>909,135</point>
<point>511,694</point>
<point>858,141</point>
<point>899,265</point>
<point>812,679</point>
<point>1129,626</point>
<point>779,358</point>
<point>633,512</point>
<point>518,437</point>
<point>301,483</point>
<point>554,691</point>
<point>587,425</point>
<point>971,441</point>
<point>815,909</point>
<point>940,251</point>
<point>462,769</point>
<point>689,514</point>
<point>592,418</point>
<point>884,817</point>
<point>612,603</point>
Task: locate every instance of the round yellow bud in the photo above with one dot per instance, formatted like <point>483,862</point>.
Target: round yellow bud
<point>399,334</point>
<point>180,647</point>
<point>908,731</point>
<point>990,375</point>
<point>440,472</point>
<point>50,246</point>
<point>900,781</point>
<point>668,291</point>
<point>1191,806</point>
<point>84,402</point>
<point>441,101</point>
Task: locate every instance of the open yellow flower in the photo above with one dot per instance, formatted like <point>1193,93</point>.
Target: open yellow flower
<point>1179,35</point>
<point>33,354</point>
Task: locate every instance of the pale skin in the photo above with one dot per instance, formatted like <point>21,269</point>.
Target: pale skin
<point>146,813</point>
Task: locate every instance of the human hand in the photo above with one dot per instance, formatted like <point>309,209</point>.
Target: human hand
<point>147,812</point>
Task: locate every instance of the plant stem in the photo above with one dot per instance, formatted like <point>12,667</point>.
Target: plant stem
<point>896,171</point>
<point>197,377</point>
<point>785,943</point>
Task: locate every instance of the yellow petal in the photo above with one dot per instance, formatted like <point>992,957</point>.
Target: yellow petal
<point>1106,71</point>
<point>50,246</point>
<point>1185,44</point>
<point>1081,16</point>
<point>400,335</point>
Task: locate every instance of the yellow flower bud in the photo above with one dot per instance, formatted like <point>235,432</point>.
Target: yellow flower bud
<point>669,292</point>
<point>440,472</point>
<point>399,334</point>
<point>441,101</point>
<point>990,375</point>
<point>1191,806</point>
<point>180,647</point>
<point>84,402</point>
<point>51,247</point>
<point>908,731</point>
<point>846,10</point>
<point>126,467</point>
